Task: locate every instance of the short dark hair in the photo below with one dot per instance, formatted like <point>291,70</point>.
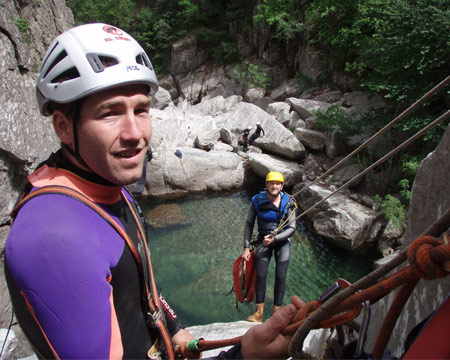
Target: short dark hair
<point>67,109</point>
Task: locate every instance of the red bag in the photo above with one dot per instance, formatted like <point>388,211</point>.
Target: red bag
<point>244,276</point>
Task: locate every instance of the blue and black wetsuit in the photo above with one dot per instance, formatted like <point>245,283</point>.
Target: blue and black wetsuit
<point>75,285</point>
<point>269,218</point>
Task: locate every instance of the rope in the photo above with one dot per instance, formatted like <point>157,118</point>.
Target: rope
<point>381,160</point>
<point>410,109</point>
<point>355,290</point>
<point>428,257</point>
<point>382,131</point>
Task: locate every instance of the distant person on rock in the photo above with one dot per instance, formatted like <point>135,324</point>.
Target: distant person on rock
<point>257,133</point>
<point>245,138</point>
<point>77,262</point>
<point>274,210</point>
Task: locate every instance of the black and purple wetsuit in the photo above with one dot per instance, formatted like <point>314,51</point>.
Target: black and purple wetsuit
<point>74,283</point>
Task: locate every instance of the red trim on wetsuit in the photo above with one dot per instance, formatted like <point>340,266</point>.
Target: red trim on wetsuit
<point>45,176</point>
<point>30,309</point>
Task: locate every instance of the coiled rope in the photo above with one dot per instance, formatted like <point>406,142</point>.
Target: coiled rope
<point>382,288</point>
<point>428,257</point>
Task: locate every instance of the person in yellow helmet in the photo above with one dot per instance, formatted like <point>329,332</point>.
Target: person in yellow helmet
<point>275,211</point>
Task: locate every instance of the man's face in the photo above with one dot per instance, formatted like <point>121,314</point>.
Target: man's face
<point>114,132</point>
<point>274,187</point>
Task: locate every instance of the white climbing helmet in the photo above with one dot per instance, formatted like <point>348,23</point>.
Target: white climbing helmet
<point>91,58</point>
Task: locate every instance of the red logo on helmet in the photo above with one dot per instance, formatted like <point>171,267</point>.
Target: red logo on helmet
<point>112,30</point>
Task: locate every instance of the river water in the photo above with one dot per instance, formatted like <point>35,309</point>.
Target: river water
<point>193,263</point>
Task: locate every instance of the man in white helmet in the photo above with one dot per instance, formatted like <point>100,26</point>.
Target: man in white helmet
<point>76,259</point>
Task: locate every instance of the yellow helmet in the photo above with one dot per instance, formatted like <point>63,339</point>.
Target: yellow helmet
<point>275,176</point>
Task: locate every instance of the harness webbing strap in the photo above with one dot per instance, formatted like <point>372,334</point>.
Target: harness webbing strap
<point>157,305</point>
<point>153,301</point>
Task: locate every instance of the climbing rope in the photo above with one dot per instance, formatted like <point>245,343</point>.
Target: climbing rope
<point>414,106</point>
<point>405,113</point>
<point>428,258</point>
<point>444,116</point>
<point>286,221</point>
<point>375,291</point>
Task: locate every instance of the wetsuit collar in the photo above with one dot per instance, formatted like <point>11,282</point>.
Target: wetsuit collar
<point>59,171</point>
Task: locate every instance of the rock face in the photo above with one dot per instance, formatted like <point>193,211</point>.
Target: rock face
<point>26,138</point>
<point>429,201</point>
<point>341,220</point>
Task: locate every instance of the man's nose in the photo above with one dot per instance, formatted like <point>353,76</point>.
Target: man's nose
<point>131,127</point>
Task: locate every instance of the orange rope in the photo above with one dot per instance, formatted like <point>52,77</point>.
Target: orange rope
<point>428,257</point>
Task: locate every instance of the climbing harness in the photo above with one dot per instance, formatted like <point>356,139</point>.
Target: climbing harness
<point>428,257</point>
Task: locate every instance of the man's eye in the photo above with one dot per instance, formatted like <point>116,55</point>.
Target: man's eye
<point>107,114</point>
<point>142,111</point>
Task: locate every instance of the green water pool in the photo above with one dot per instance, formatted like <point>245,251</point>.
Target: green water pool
<point>193,262</point>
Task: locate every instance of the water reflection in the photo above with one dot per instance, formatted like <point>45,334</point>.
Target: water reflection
<point>193,262</point>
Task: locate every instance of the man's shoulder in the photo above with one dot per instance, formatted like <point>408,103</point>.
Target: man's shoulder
<point>56,216</point>
<point>57,224</point>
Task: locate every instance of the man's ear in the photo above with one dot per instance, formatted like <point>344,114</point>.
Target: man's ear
<point>63,127</point>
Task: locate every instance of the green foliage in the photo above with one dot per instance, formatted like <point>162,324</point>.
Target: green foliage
<point>410,165</point>
<point>252,76</point>
<point>396,47</point>
<point>22,25</point>
<point>220,44</point>
<point>304,82</point>
<point>335,118</point>
<point>405,191</point>
<point>282,16</point>
<point>156,24</point>
<point>392,209</point>
<point>115,12</point>
<point>225,53</point>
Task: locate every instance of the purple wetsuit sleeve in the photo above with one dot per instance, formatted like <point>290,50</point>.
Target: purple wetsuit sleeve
<point>60,255</point>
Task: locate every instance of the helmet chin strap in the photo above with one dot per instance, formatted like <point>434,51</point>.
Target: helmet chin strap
<point>76,154</point>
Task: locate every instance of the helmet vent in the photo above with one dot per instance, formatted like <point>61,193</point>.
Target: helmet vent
<point>99,62</point>
<point>69,74</point>
<point>60,57</point>
<point>144,60</point>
